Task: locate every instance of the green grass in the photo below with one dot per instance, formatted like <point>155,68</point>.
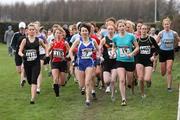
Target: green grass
<point>14,101</point>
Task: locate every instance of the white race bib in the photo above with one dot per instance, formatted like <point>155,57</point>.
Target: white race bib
<point>31,55</point>
<point>86,53</point>
<point>169,43</point>
<point>145,50</point>
<point>124,51</point>
<point>111,54</point>
<point>58,53</point>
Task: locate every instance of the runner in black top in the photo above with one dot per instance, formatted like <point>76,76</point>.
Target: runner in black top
<point>15,43</point>
<point>29,50</point>
<point>145,58</point>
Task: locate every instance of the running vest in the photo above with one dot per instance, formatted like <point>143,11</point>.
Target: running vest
<point>85,52</point>
<point>58,50</point>
<point>107,48</point>
<point>145,47</point>
<point>41,49</point>
<point>31,50</point>
<point>167,40</point>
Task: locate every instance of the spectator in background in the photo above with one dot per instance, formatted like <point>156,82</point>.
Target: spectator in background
<point>7,39</point>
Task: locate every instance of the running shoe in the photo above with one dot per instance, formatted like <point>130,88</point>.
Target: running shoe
<point>143,96</point>
<point>32,102</point>
<point>23,83</point>
<point>38,91</point>
<point>123,103</point>
<point>108,89</point>
<point>82,91</point>
<point>169,89</point>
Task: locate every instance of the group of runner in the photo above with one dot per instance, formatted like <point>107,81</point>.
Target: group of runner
<point>114,52</point>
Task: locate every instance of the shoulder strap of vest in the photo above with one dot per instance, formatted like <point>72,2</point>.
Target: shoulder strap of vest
<point>150,40</point>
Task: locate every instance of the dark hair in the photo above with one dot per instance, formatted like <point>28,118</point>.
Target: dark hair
<point>86,26</point>
<point>111,19</point>
<point>93,23</point>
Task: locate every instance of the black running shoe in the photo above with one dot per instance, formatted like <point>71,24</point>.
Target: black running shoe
<point>32,102</point>
<point>38,91</point>
<point>123,103</point>
<point>169,89</point>
<point>82,91</point>
<point>23,83</point>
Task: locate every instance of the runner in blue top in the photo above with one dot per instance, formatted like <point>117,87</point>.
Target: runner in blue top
<point>123,42</point>
<point>167,38</point>
<point>86,46</point>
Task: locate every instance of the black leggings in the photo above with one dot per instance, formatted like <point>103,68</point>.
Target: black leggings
<point>32,71</point>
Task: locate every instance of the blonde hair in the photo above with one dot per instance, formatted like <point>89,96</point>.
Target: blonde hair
<point>31,25</point>
<point>130,23</point>
<point>120,21</point>
<point>166,19</point>
<point>61,30</point>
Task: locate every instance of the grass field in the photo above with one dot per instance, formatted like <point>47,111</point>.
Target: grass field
<point>14,101</point>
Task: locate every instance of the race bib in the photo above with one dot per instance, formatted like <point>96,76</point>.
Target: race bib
<point>124,51</point>
<point>169,43</point>
<point>145,50</point>
<point>58,53</point>
<point>31,55</point>
<point>111,54</point>
<point>86,53</point>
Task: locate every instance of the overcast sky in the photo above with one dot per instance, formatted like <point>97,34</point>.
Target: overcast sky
<point>25,1</point>
<point>28,1</point>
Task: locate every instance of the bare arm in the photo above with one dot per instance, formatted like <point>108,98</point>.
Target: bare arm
<point>136,50</point>
<point>97,48</point>
<point>44,46</point>
<point>21,48</point>
<point>5,37</point>
<point>158,39</point>
<point>67,46</point>
<point>102,42</point>
<point>74,45</point>
<point>177,38</point>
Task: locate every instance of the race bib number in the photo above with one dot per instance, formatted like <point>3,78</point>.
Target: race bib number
<point>169,43</point>
<point>58,53</point>
<point>31,55</point>
<point>145,50</point>
<point>111,54</point>
<point>124,52</point>
<point>86,53</point>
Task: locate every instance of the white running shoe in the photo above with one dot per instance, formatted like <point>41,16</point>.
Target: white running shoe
<point>108,89</point>
<point>143,96</point>
<point>38,91</point>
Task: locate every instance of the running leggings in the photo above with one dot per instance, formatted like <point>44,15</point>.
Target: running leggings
<point>32,71</point>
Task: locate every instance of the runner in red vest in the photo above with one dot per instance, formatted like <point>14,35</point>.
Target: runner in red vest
<point>59,48</point>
